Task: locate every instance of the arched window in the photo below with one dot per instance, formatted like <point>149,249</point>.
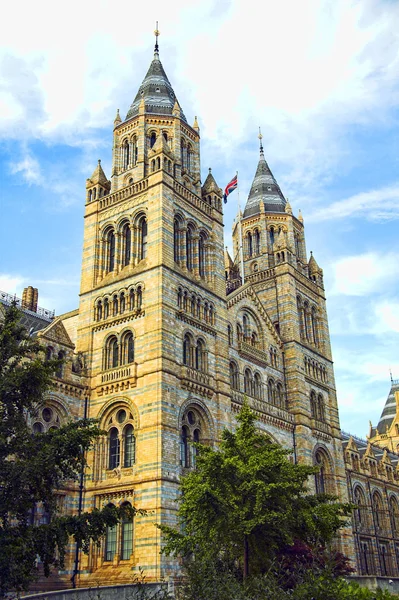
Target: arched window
<point>106,308</point>
<point>313,405</point>
<point>187,350</point>
<point>394,509</point>
<point>378,511</point>
<point>189,158</point>
<point>153,139</point>
<point>297,249</point>
<point>234,382</point>
<point>122,302</point>
<point>139,297</point>
<point>131,299</point>
<point>271,233</point>
<point>135,151</point>
<point>127,244</point>
<point>189,248</point>
<point>361,510</point>
<point>184,455</point>
<point>129,449</point>
<point>111,353</point>
<point>280,396</point>
<point>201,255</point>
<point>110,542</point>
<point>182,155</point>
<point>249,244</point>
<point>200,356</point>
<point>305,312</point>
<point>126,536</point>
<point>180,298</point>
<point>114,305</point>
<point>320,408</point>
<point>321,475</point>
<point>245,323</point>
<point>142,238</point>
<point>114,448</point>
<point>314,326</point>
<point>128,348</point>
<point>110,262</point>
<point>99,310</point>
<point>239,332</point>
<point>230,334</point>
<point>60,369</point>
<point>271,392</point>
<point>258,386</point>
<point>126,154</point>
<point>257,241</point>
<point>176,241</point>
<point>248,383</point>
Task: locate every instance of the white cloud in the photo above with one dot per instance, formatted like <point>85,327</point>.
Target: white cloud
<point>364,274</point>
<point>12,284</point>
<point>374,205</point>
<point>28,167</point>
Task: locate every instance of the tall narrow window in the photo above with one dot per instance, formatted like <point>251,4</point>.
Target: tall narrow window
<point>115,305</point>
<point>127,244</point>
<point>99,310</point>
<point>271,233</point>
<point>135,151</point>
<point>271,392</point>
<point>143,238</point>
<point>126,154</point>
<point>176,241</point>
<point>129,446</point>
<point>189,159</point>
<point>126,537</point>
<point>234,376</point>
<point>201,255</point>
<point>60,368</point>
<point>249,244</point>
<point>106,308</point>
<point>189,248</point>
<point>313,405</point>
<point>184,447</point>
<point>139,297</point>
<point>111,251</point>
<point>245,322</point>
<point>257,241</point>
<point>280,396</point>
<point>320,476</point>
<point>230,334</point>
<point>114,449</point>
<point>122,303</point>
<point>153,139</point>
<point>258,386</point>
<point>314,326</point>
<point>187,345</point>
<point>320,408</point>
<point>110,542</point>
<point>200,356</point>
<point>248,382</point>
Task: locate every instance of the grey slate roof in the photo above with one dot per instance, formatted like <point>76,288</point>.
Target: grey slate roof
<point>389,410</point>
<point>156,91</point>
<point>266,189</point>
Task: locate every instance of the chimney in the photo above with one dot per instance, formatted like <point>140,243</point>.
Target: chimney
<point>30,297</point>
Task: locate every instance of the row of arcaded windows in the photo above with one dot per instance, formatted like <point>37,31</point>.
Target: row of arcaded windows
<point>308,322</point>
<point>317,407</point>
<point>118,350</point>
<point>252,384</point>
<point>119,303</point>
<point>315,369</point>
<point>193,304</point>
<point>129,151</point>
<point>126,246</point>
<point>186,151</point>
<point>252,243</point>
<point>190,248</point>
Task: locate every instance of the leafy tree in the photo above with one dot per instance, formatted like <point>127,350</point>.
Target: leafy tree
<point>34,466</point>
<point>246,503</point>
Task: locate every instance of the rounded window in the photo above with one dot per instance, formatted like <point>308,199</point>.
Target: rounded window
<point>121,416</point>
<point>47,414</point>
<point>191,417</point>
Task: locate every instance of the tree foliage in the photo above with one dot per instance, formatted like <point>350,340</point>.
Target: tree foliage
<point>33,467</point>
<point>248,502</point>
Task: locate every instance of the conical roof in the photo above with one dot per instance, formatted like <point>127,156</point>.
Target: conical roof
<point>156,91</point>
<point>264,189</point>
<point>98,176</point>
<point>389,412</point>
<point>210,184</point>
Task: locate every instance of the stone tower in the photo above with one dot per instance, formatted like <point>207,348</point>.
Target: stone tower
<point>297,353</point>
<point>152,323</point>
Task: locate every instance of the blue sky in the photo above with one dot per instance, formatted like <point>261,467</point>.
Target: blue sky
<point>319,76</point>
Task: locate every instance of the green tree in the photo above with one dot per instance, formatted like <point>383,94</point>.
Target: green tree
<point>246,502</point>
<point>34,466</point>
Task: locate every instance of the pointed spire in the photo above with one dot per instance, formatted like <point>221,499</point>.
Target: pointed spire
<point>312,264</point>
<point>155,90</point>
<point>264,188</point>
<point>210,184</point>
<point>288,208</point>
<point>196,126</point>
<point>98,177</point>
<point>300,217</point>
<point>390,409</point>
<point>117,119</point>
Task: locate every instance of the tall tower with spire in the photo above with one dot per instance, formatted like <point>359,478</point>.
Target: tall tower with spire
<point>152,323</point>
<point>279,279</point>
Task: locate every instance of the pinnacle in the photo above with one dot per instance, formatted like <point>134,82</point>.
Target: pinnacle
<point>264,189</point>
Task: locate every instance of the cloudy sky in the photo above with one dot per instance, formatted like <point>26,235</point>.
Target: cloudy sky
<point>319,76</point>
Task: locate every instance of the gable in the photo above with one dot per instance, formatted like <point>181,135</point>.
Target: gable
<point>57,333</point>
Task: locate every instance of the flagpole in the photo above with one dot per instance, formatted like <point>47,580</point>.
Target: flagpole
<point>240,233</point>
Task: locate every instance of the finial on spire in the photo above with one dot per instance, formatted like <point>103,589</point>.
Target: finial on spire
<point>260,136</point>
<point>210,170</point>
<point>157,34</point>
<point>390,372</point>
